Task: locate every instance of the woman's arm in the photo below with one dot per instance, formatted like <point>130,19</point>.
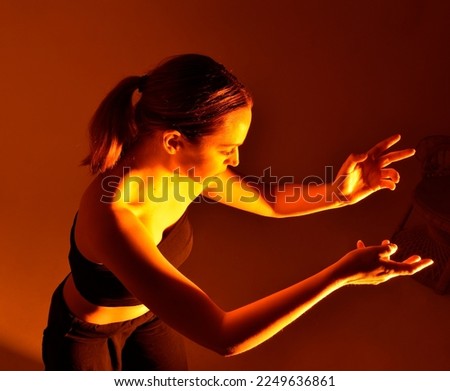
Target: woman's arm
<point>127,249</point>
<point>360,176</point>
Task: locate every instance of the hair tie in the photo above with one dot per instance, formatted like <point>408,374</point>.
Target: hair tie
<point>142,82</point>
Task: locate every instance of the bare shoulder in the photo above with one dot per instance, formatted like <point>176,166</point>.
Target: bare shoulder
<point>101,225</point>
<point>96,222</point>
<point>117,237</point>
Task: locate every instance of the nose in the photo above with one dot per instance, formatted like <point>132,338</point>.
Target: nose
<point>234,159</point>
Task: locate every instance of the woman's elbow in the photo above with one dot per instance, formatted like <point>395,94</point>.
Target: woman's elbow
<point>226,345</point>
<point>228,350</point>
<point>230,344</point>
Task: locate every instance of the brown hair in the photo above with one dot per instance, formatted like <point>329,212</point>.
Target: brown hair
<point>190,93</point>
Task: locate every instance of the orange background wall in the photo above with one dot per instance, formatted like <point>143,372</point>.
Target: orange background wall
<point>328,77</point>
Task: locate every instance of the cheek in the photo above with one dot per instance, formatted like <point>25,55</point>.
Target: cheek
<point>212,163</point>
<point>210,166</point>
<point>205,161</point>
<point>199,164</point>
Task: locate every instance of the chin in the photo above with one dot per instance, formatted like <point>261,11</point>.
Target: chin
<point>221,171</point>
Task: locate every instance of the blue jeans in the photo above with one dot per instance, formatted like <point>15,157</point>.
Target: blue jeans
<point>143,343</point>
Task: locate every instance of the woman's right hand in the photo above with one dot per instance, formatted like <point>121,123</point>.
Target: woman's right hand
<point>372,265</point>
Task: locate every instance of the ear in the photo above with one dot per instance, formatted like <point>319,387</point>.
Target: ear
<point>172,141</point>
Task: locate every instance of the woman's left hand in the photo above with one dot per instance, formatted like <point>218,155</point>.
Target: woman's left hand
<point>364,174</point>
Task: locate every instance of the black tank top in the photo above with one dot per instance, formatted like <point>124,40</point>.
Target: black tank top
<point>100,286</point>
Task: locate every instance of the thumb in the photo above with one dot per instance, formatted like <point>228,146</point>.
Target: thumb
<point>353,160</point>
<point>361,157</point>
<point>360,244</point>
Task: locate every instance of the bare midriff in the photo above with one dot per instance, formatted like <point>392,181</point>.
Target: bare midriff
<point>92,313</point>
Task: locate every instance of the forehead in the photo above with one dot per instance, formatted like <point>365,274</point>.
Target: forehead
<point>233,129</point>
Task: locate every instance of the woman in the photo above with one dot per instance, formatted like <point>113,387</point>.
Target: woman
<point>124,303</point>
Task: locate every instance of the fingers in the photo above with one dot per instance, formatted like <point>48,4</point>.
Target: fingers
<point>422,264</point>
<point>377,152</point>
<point>386,246</point>
<point>390,173</point>
<point>388,179</point>
<point>412,259</point>
<point>383,251</point>
<point>386,184</point>
<point>409,266</point>
<point>381,159</point>
<point>382,146</point>
<point>417,262</point>
<point>386,250</point>
<point>396,156</point>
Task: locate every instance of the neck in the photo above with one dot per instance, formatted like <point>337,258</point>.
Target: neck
<point>145,175</point>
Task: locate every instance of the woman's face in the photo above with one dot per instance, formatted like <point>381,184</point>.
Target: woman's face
<point>220,149</point>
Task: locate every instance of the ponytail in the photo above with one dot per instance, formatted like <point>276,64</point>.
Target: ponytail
<point>190,93</point>
<point>112,127</point>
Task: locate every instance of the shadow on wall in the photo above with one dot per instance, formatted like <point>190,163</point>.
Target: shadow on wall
<point>11,360</point>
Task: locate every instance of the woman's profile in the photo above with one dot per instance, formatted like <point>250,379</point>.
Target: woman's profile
<point>157,142</point>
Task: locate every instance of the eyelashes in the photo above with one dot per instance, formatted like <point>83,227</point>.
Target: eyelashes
<point>228,153</point>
